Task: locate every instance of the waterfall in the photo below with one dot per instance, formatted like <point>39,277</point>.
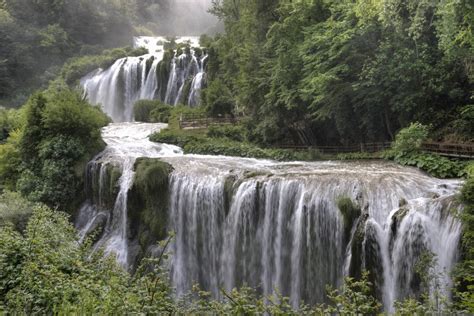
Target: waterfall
<point>131,79</point>
<point>125,143</point>
<point>277,226</point>
<point>282,230</point>
<point>187,73</point>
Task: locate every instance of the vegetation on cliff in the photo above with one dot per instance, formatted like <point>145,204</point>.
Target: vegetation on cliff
<point>44,157</point>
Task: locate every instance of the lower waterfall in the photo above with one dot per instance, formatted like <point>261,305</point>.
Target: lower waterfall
<point>277,226</point>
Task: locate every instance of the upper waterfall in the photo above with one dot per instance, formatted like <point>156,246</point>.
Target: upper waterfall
<point>176,78</point>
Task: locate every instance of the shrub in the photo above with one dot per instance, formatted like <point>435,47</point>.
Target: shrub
<point>14,211</point>
<point>410,139</point>
<point>152,111</point>
<point>142,110</point>
<point>355,156</point>
<point>232,132</point>
<point>46,270</point>
<point>61,133</point>
<point>10,161</point>
<point>161,113</point>
<point>435,165</point>
<point>200,144</point>
<point>217,99</point>
<point>406,151</point>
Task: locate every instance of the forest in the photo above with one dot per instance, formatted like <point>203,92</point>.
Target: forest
<point>79,189</point>
<point>344,71</point>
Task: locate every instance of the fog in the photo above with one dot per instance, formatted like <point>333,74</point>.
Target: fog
<point>187,17</point>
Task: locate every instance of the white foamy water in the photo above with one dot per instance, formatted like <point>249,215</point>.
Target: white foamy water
<point>125,143</point>
<point>130,79</point>
<point>276,225</point>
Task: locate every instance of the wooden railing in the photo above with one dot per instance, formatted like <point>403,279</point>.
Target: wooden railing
<point>199,121</point>
<point>458,150</point>
<point>365,147</point>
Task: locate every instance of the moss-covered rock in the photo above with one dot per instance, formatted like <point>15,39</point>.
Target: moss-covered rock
<point>397,218</point>
<point>163,70</point>
<point>149,63</point>
<point>373,259</point>
<point>186,91</point>
<point>357,247</point>
<point>103,186</point>
<point>350,212</point>
<point>148,203</point>
<point>229,185</point>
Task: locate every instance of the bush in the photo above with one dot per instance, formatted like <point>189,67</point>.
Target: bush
<point>410,139</point>
<point>46,270</point>
<point>435,165</point>
<point>10,161</point>
<point>15,211</point>
<point>10,120</point>
<point>161,114</point>
<point>60,134</point>
<point>355,156</point>
<point>152,111</point>
<point>406,151</point>
<point>232,132</point>
<point>142,110</point>
<point>217,99</point>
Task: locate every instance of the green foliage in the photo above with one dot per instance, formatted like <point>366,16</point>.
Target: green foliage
<point>406,150</point>
<point>45,160</point>
<point>410,139</point>
<point>60,30</point>
<point>217,99</point>
<point>435,165</point>
<point>46,270</point>
<point>14,211</point>
<point>464,279</point>
<point>350,212</point>
<point>77,67</point>
<point>356,156</point>
<point>232,132</point>
<point>354,298</point>
<point>148,202</point>
<point>10,161</point>
<point>200,144</point>
<point>152,111</point>
<point>332,72</point>
<point>10,120</point>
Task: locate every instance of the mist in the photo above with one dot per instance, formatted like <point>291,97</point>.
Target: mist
<point>187,17</point>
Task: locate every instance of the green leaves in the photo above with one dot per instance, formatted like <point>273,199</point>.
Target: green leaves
<point>44,160</point>
<point>410,139</point>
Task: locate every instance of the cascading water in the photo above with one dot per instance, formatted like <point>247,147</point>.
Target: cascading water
<point>131,79</point>
<point>125,143</point>
<point>187,73</point>
<point>272,226</point>
<point>277,226</point>
<point>282,230</point>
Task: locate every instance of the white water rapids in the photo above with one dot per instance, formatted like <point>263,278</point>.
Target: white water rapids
<point>273,225</point>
